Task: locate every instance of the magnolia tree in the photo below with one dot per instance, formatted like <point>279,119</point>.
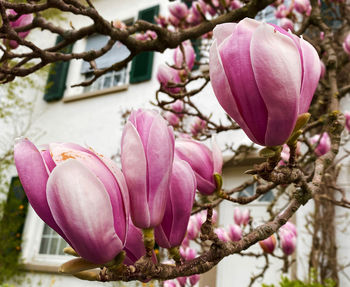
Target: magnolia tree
<point>281,84</point>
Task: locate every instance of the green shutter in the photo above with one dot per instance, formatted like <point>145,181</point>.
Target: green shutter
<point>56,82</point>
<point>196,43</point>
<point>11,227</point>
<point>188,3</point>
<point>142,64</point>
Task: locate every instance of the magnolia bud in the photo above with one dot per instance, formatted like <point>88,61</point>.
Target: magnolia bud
<point>269,244</point>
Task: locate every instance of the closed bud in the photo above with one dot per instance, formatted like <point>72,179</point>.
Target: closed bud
<point>347,120</point>
<point>237,216</point>
<point>245,216</point>
<point>22,20</point>
<point>346,44</point>
<point>182,281</point>
<point>222,234</point>
<point>194,279</point>
<point>302,6</point>
<point>323,144</point>
<point>288,242</point>
<point>178,10</point>
<point>168,76</point>
<point>172,229</point>
<point>269,244</point>
<point>147,152</point>
<point>235,232</point>
<point>269,73</point>
<point>189,55</point>
<point>204,162</point>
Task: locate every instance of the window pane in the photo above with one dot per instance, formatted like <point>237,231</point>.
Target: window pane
<point>51,242</point>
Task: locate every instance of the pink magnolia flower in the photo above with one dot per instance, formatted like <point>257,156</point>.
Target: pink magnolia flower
<point>324,144</point>
<point>285,154</point>
<point>286,24</point>
<point>204,162</point>
<point>147,152</point>
<point>198,126</point>
<point>245,216</point>
<point>192,230</point>
<point>173,20</point>
<point>302,6</point>
<point>190,254</point>
<point>222,234</point>
<point>264,77</point>
<point>347,120</point>
<point>167,76</point>
<point>173,119</point>
<point>199,7</point>
<point>178,107</point>
<point>178,10</point>
<point>322,35</point>
<point>211,10</point>
<point>194,279</point>
<point>288,242</point>
<point>22,20</point>
<point>62,183</point>
<point>241,217</point>
<point>172,229</point>
<point>193,18</point>
<point>236,4</point>
<point>161,21</point>
<point>234,232</point>
<point>269,244</point>
<point>346,44</point>
<point>281,11</point>
<point>190,55</point>
<point>182,281</point>
<point>289,227</point>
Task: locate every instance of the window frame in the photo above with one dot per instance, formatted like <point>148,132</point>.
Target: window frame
<point>78,93</point>
<point>32,236</point>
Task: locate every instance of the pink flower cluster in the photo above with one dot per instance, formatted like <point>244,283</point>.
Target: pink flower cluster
<point>183,62</point>
<point>182,16</point>
<point>99,209</point>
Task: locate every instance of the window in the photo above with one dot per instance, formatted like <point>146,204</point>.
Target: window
<point>113,78</point>
<point>51,242</point>
<point>250,190</point>
<point>267,15</point>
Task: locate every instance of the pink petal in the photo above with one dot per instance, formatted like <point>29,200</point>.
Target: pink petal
<point>182,193</point>
<point>223,91</point>
<point>222,31</point>
<point>312,72</point>
<point>134,167</point>
<point>160,154</point>
<point>33,175</point>
<point>277,69</point>
<point>62,152</point>
<point>81,207</point>
<point>237,63</point>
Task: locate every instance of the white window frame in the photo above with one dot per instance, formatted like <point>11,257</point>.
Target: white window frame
<point>32,235</point>
<point>75,76</point>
